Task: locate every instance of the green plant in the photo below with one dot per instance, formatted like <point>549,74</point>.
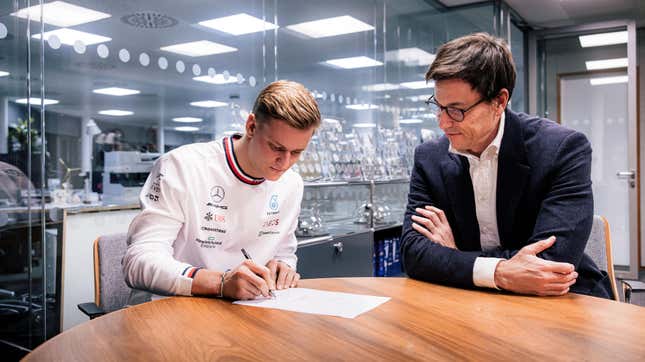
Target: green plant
<point>20,133</point>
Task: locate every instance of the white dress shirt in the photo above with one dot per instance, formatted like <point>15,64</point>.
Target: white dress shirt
<point>483,173</point>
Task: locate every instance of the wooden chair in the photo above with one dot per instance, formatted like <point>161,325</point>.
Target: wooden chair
<point>599,249</point>
<point>110,290</point>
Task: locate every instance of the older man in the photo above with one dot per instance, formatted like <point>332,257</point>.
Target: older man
<point>502,200</point>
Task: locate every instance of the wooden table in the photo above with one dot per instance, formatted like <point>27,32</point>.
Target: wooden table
<point>421,322</point>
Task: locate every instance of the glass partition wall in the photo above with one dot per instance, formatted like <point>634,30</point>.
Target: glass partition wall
<point>92,92</point>
<point>587,81</point>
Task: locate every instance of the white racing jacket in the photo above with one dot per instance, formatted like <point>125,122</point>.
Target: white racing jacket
<point>199,209</point>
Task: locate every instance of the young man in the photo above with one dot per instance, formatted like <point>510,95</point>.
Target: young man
<point>204,202</point>
<point>502,200</point>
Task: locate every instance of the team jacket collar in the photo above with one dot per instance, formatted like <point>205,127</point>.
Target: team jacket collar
<point>231,160</point>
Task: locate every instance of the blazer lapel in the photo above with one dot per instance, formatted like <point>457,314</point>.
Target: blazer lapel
<point>456,179</point>
<point>512,175</point>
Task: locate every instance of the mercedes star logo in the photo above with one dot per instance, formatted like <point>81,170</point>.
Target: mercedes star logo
<point>217,194</point>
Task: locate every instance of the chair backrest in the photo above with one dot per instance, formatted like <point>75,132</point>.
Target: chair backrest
<point>110,291</point>
<point>599,249</point>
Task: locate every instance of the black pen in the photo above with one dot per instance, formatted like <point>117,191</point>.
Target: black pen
<point>247,256</point>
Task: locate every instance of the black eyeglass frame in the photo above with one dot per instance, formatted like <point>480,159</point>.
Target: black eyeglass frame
<point>456,114</point>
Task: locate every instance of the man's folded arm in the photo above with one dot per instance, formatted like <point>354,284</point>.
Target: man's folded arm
<point>424,259</point>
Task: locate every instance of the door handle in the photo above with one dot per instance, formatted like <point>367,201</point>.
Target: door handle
<point>338,247</point>
<point>628,175</point>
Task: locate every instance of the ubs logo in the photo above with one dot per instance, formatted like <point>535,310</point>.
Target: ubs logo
<point>214,217</point>
<point>273,202</point>
<point>217,194</point>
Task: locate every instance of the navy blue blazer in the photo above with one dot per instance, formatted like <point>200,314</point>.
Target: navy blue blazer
<point>543,189</point>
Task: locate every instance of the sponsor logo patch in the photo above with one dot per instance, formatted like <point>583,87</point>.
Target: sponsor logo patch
<point>214,217</point>
<point>211,242</point>
<point>217,194</point>
<point>217,230</point>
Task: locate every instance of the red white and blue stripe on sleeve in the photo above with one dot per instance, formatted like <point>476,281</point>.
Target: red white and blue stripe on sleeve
<point>191,271</point>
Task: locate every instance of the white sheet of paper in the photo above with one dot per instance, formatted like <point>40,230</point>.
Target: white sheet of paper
<point>315,301</point>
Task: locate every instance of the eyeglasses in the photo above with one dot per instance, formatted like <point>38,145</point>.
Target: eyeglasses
<point>456,114</point>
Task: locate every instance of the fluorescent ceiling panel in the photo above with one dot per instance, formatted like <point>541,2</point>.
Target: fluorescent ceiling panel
<point>410,56</point>
<point>186,129</point>
<point>116,112</point>
<point>596,40</point>
<point>420,97</point>
<point>70,36</point>
<point>331,27</point>
<point>34,101</point>
<point>361,107</point>
<point>59,13</point>
<point>380,87</point>
<point>606,63</point>
<point>187,119</point>
<point>199,48</point>
<point>208,104</point>
<point>216,79</point>
<point>354,62</point>
<point>4,74</point>
<point>608,80</point>
<point>410,121</point>
<point>364,125</point>
<point>418,84</point>
<point>238,24</point>
<point>116,91</point>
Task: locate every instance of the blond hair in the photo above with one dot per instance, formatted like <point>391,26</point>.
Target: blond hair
<point>288,101</point>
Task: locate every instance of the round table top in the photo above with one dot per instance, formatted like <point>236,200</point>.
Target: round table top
<point>422,321</point>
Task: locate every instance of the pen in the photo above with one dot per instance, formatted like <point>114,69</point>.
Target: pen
<point>247,256</point>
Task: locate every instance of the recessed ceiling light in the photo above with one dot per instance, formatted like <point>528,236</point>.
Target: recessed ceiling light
<point>208,104</point>
<point>361,107</point>
<point>116,91</point>
<point>59,13</point>
<point>70,36</point>
<point>216,79</point>
<point>410,56</point>
<point>116,112</point>
<point>428,115</point>
<point>238,24</point>
<point>186,129</point>
<point>420,97</point>
<point>410,121</point>
<point>187,119</point>
<point>34,101</point>
<point>4,74</point>
<point>199,48</point>
<point>380,87</point>
<point>595,40</point>
<point>608,80</point>
<point>331,27</point>
<point>353,62</point>
<point>420,84</point>
<point>606,63</point>
<point>364,125</point>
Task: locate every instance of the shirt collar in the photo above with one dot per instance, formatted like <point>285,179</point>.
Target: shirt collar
<point>492,147</point>
<point>231,160</point>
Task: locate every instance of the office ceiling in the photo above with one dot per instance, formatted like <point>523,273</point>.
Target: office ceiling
<point>70,77</point>
<point>558,13</point>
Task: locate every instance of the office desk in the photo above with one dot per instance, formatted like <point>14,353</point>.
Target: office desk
<point>421,322</point>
